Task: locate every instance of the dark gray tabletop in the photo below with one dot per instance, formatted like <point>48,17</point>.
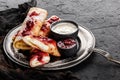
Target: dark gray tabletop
<point>102,17</point>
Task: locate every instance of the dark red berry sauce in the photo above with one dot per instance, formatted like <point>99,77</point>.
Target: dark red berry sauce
<point>67,43</point>
<point>28,28</point>
<point>45,27</point>
<point>39,55</point>
<point>33,14</point>
<point>45,40</point>
<point>53,19</point>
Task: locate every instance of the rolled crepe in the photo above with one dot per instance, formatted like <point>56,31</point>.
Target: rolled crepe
<point>39,58</point>
<point>44,44</point>
<point>33,22</point>
<point>31,26</point>
<point>45,29</point>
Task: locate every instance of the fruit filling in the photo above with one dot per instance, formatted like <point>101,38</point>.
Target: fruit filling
<point>67,43</point>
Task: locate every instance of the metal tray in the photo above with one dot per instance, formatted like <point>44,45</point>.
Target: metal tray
<point>86,41</point>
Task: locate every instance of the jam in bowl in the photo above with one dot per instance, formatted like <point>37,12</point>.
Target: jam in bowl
<point>64,29</point>
<point>67,47</point>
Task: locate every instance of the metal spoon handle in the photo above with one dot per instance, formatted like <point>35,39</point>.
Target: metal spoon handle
<point>106,55</point>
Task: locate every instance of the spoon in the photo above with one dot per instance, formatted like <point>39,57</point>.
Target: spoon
<point>106,55</point>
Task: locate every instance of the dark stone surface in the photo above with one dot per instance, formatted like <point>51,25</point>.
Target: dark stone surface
<point>102,17</point>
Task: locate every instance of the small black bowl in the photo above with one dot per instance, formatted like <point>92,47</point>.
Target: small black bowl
<point>67,47</point>
<point>64,29</point>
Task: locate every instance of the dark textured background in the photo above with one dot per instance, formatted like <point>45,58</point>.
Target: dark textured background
<point>102,17</point>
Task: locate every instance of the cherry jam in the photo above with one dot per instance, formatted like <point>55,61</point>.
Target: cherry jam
<point>45,40</point>
<point>67,47</point>
<point>29,26</point>
<point>53,19</point>
<point>67,43</point>
<point>33,14</point>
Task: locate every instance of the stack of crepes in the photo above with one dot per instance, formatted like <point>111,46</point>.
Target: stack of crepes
<point>33,35</point>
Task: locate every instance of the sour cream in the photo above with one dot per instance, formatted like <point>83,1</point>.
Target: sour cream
<point>64,28</point>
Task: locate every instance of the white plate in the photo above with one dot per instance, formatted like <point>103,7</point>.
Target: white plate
<point>86,40</point>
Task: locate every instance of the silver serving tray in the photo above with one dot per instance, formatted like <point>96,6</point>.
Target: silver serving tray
<point>86,40</point>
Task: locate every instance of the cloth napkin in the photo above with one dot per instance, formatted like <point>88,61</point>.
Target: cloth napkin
<point>11,71</point>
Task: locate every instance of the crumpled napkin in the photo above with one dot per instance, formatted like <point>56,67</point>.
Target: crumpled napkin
<point>12,17</point>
